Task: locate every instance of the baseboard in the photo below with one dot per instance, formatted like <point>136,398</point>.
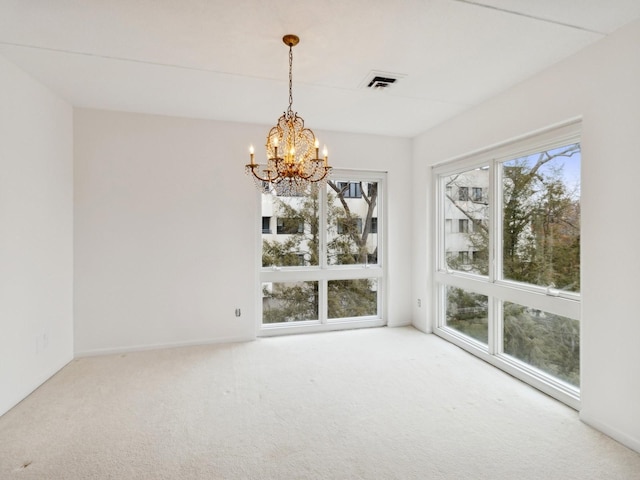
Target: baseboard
<point>158,346</point>
<point>406,323</point>
<point>422,328</point>
<point>617,435</point>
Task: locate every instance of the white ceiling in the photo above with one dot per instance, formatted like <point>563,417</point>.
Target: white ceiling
<point>225,60</point>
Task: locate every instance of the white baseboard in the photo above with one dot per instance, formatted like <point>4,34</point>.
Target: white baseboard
<point>157,346</point>
<point>623,438</point>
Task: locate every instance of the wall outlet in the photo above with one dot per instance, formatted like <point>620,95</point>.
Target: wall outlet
<point>419,303</point>
<point>238,312</point>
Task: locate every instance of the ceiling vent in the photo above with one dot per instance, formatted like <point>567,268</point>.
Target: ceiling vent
<point>380,80</point>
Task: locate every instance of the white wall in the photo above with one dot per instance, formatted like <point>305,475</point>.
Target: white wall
<point>36,234</point>
<point>601,84</point>
<point>166,224</point>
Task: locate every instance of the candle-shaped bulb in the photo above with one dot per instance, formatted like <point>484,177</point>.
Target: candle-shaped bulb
<point>251,151</point>
<point>317,145</point>
<point>275,142</point>
<point>325,153</point>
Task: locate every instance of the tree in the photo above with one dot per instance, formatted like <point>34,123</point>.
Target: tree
<point>540,222</point>
<point>351,247</point>
<point>548,342</point>
<point>541,230</point>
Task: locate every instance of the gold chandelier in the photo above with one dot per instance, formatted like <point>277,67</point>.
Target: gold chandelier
<point>293,162</point>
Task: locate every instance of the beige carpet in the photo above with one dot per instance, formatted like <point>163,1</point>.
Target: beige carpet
<point>367,404</point>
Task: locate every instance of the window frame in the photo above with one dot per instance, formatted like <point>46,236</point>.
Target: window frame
<point>493,285</point>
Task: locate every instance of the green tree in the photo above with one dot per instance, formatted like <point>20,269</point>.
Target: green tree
<point>467,312</point>
<point>548,342</point>
<point>351,245</point>
<point>540,224</point>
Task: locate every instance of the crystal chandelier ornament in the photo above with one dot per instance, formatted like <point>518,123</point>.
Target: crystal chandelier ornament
<point>293,161</point>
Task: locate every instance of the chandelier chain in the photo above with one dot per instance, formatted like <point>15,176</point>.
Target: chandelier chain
<point>290,78</point>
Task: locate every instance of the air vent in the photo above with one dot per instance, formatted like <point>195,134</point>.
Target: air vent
<point>381,80</point>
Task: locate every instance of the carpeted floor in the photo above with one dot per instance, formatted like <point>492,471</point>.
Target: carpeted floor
<point>365,404</point>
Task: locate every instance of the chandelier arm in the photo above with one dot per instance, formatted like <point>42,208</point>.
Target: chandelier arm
<point>252,169</point>
<point>313,173</point>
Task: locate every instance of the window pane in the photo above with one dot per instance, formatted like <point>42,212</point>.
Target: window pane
<point>289,301</point>
<point>353,298</point>
<point>541,218</point>
<point>266,224</point>
<point>543,340</point>
<point>466,218</point>
<point>295,240</point>
<point>352,232</point>
<point>467,312</point>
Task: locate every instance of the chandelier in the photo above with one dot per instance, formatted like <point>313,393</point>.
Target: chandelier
<point>293,161</point>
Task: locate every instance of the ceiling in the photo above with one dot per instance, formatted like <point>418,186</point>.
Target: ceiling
<point>225,60</point>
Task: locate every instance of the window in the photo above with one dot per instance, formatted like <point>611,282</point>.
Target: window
<point>467,312</point>
<point>373,225</point>
<point>289,226</point>
<point>459,213</point>
<point>350,189</point>
<point>325,269</point>
<point>509,278</point>
<point>289,302</point>
<point>544,340</point>
<point>266,224</point>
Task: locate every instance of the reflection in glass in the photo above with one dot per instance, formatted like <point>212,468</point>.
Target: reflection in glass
<point>466,221</point>
<point>353,298</point>
<point>468,313</point>
<point>548,342</point>
<point>289,301</point>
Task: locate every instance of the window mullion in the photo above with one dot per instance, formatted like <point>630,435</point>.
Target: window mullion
<point>322,254</point>
<point>495,264</point>
<point>495,223</point>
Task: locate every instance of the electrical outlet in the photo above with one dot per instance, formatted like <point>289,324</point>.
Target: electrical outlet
<point>238,312</point>
<point>419,303</point>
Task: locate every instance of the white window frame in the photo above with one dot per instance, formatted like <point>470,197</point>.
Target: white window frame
<point>497,289</point>
<point>323,273</point>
